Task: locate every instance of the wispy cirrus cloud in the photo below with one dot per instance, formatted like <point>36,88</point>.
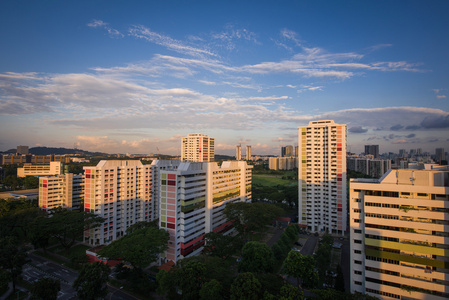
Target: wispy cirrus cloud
<point>111,31</point>
<point>228,37</point>
<point>142,32</point>
<point>439,93</point>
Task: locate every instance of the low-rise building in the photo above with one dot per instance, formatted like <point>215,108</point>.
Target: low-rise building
<point>53,168</point>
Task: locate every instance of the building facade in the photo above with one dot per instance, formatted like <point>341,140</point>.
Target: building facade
<point>372,167</point>
<point>120,192</point>
<point>372,150</point>
<point>65,191</point>
<point>192,197</point>
<point>53,168</point>
<point>197,147</point>
<point>399,237</point>
<point>238,152</point>
<point>248,152</point>
<point>322,176</point>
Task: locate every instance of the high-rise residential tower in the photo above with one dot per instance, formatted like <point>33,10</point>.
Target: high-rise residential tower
<point>238,152</point>
<point>197,147</point>
<point>120,192</point>
<point>399,228</point>
<point>322,176</point>
<point>192,197</point>
<point>248,152</point>
<point>372,150</point>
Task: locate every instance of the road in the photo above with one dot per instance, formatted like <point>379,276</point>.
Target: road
<point>39,267</point>
<point>309,246</point>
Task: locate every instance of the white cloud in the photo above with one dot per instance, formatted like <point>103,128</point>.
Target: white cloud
<point>230,35</point>
<point>100,24</point>
<point>145,33</point>
<point>441,96</point>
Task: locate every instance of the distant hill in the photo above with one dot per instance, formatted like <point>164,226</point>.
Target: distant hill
<point>223,157</point>
<point>57,151</point>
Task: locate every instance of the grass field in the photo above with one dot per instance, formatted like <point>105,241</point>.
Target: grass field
<point>272,180</point>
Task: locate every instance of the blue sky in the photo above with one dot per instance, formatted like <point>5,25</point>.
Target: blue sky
<point>134,76</point>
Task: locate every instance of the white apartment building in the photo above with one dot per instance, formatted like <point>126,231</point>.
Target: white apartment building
<point>197,147</point>
<point>192,197</point>
<point>64,191</point>
<point>399,235</point>
<point>54,168</point>
<point>119,191</point>
<point>248,152</point>
<point>322,176</point>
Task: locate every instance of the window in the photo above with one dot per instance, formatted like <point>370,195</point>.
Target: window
<point>357,252</point>
<point>357,272</point>
<point>357,241</point>
<point>357,231</point>
<point>358,282</point>
<point>358,262</point>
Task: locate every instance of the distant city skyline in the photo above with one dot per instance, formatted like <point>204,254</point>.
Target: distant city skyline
<point>119,78</point>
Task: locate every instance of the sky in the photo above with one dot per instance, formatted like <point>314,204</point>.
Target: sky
<point>136,76</point>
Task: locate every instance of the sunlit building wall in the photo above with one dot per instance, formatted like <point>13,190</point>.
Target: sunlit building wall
<point>65,191</point>
<point>197,147</point>
<point>399,235</point>
<point>192,197</point>
<point>238,152</point>
<point>53,168</point>
<point>120,192</point>
<point>322,176</point>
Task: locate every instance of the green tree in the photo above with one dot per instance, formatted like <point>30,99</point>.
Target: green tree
<point>92,281</point>
<point>190,276</point>
<point>46,289</point>
<point>256,257</point>
<point>4,281</point>
<point>339,280</point>
<point>289,292</point>
<point>323,257</point>
<point>211,290</point>
<point>300,266</point>
<point>221,245</point>
<point>277,251</point>
<point>139,248</point>
<point>12,258</point>
<point>141,225</point>
<point>68,225</point>
<point>31,182</point>
<point>246,287</point>
<point>166,284</point>
<point>248,217</point>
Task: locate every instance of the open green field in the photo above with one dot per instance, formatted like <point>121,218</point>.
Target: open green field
<point>272,180</point>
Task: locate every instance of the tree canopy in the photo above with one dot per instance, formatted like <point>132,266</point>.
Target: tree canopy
<point>221,245</point>
<point>246,287</point>
<point>46,289</point>
<point>300,266</point>
<point>248,217</point>
<point>139,248</point>
<point>257,257</point>
<point>92,280</point>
